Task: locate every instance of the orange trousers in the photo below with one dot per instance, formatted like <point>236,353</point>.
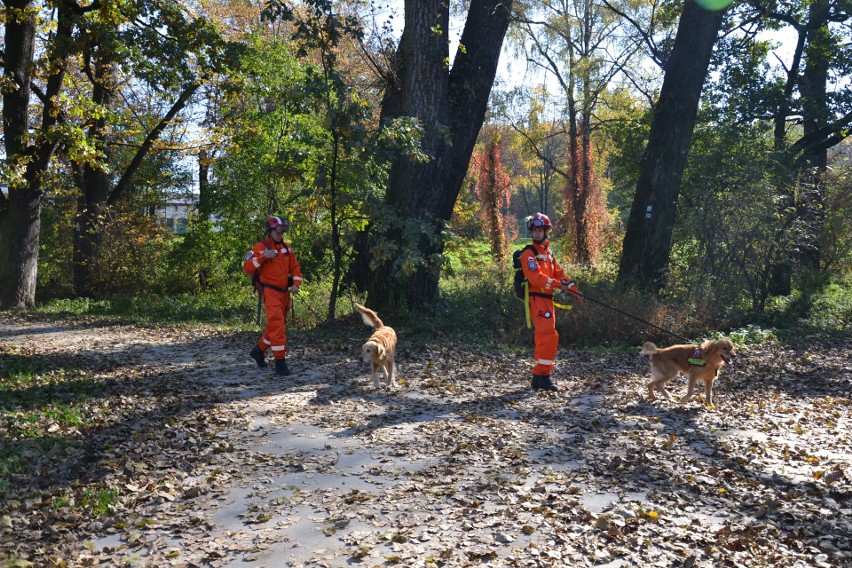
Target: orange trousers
<point>543,316</point>
<point>274,337</point>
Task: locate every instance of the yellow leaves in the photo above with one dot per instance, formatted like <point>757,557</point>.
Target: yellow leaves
<point>828,477</point>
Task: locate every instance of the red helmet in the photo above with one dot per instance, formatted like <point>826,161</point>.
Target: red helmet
<point>272,223</point>
<point>539,220</point>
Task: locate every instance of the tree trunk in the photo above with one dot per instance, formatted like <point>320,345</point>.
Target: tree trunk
<point>20,211</point>
<point>88,230</point>
<point>451,108</point>
<point>205,198</point>
<point>816,115</point>
<point>647,241</point>
<point>93,182</point>
<point>20,222</point>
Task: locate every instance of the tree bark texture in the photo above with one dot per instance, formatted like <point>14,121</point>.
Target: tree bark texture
<point>816,115</point>
<point>28,150</point>
<point>20,210</point>
<point>451,108</point>
<point>94,182</point>
<point>647,241</point>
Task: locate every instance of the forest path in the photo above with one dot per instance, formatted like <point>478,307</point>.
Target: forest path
<point>213,462</point>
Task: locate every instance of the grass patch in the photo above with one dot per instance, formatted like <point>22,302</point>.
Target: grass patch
<point>10,464</point>
<point>97,501</point>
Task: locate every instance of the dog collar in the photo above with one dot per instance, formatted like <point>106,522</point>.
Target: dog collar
<point>697,358</point>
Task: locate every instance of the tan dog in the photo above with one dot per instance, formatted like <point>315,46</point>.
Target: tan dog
<point>380,348</point>
<point>666,363</point>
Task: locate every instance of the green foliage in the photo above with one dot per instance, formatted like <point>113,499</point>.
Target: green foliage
<point>98,501</point>
<point>230,304</point>
<point>752,335</point>
<point>735,222</point>
<point>831,308</point>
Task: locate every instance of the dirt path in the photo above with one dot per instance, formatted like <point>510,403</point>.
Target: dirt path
<point>209,461</point>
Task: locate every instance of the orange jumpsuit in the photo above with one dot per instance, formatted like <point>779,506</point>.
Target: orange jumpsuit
<point>544,275</point>
<point>274,273</point>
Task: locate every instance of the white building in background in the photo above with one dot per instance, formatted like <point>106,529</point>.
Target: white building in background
<point>174,213</point>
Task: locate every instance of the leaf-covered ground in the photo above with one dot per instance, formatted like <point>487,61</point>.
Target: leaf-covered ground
<point>132,446</point>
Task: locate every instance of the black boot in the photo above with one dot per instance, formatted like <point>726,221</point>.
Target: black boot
<point>543,382</point>
<point>258,357</point>
<point>536,382</point>
<point>281,367</point>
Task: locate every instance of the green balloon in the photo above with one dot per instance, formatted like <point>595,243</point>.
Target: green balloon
<point>714,5</point>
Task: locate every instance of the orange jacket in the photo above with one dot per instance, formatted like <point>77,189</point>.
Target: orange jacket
<point>541,269</point>
<point>276,270</point>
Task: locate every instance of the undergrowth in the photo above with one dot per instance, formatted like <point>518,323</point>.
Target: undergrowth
<point>476,304</point>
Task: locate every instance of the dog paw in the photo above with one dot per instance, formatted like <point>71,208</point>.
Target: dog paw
<point>710,407</point>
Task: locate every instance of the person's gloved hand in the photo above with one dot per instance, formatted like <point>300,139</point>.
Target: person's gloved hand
<point>570,287</point>
<point>294,289</point>
<point>270,253</point>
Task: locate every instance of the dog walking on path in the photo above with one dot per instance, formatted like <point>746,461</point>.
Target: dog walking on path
<point>697,362</point>
<point>380,348</point>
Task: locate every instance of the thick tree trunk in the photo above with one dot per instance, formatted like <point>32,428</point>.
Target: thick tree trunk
<point>816,115</point>
<point>88,230</point>
<point>20,213</point>
<point>20,222</point>
<point>20,210</point>
<point>647,241</point>
<point>451,108</point>
<point>94,182</point>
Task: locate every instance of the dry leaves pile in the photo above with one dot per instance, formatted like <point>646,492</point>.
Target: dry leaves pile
<point>191,456</point>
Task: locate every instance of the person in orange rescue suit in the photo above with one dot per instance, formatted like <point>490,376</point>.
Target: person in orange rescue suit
<point>544,276</point>
<point>279,276</point>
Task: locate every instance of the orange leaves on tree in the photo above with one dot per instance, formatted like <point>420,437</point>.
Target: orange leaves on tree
<point>493,190</point>
<point>586,219</point>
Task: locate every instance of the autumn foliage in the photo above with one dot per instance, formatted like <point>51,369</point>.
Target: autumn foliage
<point>492,188</point>
<point>585,219</point>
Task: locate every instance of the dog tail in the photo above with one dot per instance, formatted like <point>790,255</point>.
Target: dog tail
<point>369,316</point>
<point>648,348</point>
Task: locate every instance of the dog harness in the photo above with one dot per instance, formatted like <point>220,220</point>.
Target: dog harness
<point>697,358</point>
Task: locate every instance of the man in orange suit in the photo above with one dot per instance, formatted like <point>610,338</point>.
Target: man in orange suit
<point>279,276</point>
<point>544,276</point>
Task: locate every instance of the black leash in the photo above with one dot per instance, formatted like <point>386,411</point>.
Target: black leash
<point>637,319</point>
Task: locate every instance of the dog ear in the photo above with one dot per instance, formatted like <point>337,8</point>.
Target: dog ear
<point>380,351</point>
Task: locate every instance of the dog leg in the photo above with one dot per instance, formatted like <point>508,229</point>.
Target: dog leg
<point>391,373</point>
<point>708,393</point>
<point>651,386</point>
<point>375,378</point>
<point>688,396</point>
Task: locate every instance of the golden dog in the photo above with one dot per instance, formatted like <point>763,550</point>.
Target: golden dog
<point>666,363</point>
<point>380,348</point>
